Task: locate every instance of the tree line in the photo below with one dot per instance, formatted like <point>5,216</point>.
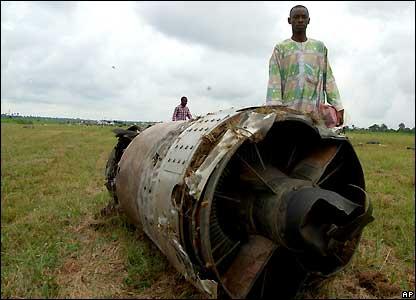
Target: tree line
<point>381,128</point>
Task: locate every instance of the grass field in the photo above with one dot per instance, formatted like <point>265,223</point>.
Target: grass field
<point>54,243</point>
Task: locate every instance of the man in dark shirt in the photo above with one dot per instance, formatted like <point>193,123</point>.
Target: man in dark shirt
<point>181,111</point>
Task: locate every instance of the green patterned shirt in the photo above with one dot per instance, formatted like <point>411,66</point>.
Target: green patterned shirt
<point>296,76</point>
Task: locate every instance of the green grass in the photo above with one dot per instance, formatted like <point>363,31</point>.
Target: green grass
<point>51,178</point>
<point>388,243</point>
<point>52,245</point>
<point>389,171</point>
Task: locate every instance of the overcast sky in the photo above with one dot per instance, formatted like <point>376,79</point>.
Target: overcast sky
<point>134,60</point>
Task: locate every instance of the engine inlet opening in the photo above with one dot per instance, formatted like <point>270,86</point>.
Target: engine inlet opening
<point>253,193</point>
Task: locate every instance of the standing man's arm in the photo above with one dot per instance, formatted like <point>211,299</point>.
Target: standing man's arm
<point>174,114</point>
<point>332,93</point>
<point>188,114</point>
<point>274,87</point>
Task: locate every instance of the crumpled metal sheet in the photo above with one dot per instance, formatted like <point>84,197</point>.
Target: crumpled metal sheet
<point>206,285</point>
<point>252,125</point>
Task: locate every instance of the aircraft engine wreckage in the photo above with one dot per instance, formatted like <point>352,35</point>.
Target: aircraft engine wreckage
<point>252,202</point>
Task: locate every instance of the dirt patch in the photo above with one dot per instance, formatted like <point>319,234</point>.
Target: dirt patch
<point>93,190</point>
<point>356,285</point>
<point>377,284</point>
<point>385,199</point>
<point>71,266</point>
<point>341,286</point>
<point>171,285</point>
<point>411,277</point>
<point>97,270</point>
<point>93,275</point>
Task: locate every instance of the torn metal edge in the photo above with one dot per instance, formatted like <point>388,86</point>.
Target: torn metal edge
<point>208,286</point>
<point>253,126</point>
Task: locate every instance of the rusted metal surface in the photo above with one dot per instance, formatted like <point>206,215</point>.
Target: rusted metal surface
<point>219,194</point>
<point>137,162</point>
<point>313,166</point>
<point>248,265</point>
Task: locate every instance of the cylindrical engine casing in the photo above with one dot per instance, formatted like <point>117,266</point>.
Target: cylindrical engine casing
<point>171,162</point>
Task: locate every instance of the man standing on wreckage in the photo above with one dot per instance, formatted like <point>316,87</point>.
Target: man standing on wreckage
<point>300,76</point>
